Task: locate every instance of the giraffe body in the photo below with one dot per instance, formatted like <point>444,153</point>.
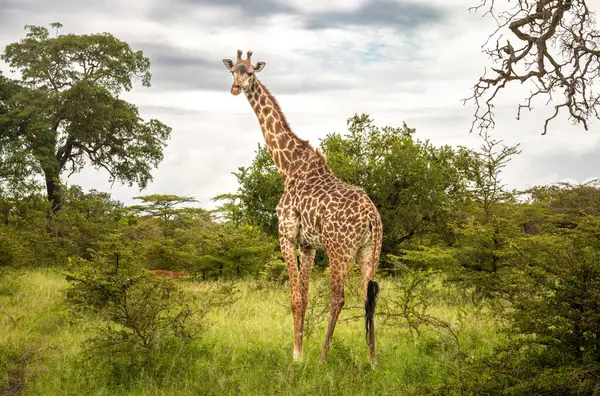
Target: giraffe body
<point>316,211</point>
<point>325,213</point>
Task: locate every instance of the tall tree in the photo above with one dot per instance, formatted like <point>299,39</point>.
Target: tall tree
<point>64,112</point>
<point>493,221</point>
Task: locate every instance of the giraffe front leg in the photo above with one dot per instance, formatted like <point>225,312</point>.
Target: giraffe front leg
<point>307,259</point>
<point>289,254</point>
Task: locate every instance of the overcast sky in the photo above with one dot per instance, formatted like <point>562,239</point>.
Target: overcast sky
<point>399,61</point>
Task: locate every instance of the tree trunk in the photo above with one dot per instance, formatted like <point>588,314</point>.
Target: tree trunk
<point>53,189</point>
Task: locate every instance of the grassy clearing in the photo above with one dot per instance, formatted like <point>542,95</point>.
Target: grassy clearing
<point>246,348</point>
<point>35,333</point>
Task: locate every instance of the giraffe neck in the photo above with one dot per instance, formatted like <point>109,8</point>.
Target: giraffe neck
<point>288,151</point>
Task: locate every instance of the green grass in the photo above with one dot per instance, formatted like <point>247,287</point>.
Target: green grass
<point>246,348</point>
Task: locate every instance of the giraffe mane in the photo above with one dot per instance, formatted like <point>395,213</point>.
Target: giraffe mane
<point>321,155</point>
<point>284,120</point>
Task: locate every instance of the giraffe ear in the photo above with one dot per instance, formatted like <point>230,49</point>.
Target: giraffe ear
<point>228,63</point>
<point>259,66</point>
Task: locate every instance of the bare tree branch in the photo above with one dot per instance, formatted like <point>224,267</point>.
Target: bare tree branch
<point>558,55</point>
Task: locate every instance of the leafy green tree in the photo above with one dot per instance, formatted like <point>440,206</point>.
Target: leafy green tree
<point>86,220</point>
<point>235,252</point>
<point>416,187</point>
<point>493,219</point>
<point>14,249</point>
<point>173,234</point>
<point>16,192</point>
<point>164,207</point>
<point>64,112</point>
<point>484,173</point>
<point>568,204</point>
<point>231,210</point>
<point>16,169</point>
<point>189,238</point>
<point>181,249</point>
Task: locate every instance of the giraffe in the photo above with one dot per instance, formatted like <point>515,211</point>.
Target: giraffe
<point>316,211</point>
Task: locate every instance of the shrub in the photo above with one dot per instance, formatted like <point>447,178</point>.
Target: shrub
<point>13,250</point>
<point>141,313</point>
<point>275,270</point>
<point>553,325</point>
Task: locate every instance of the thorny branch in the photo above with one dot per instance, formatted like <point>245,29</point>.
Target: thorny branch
<point>557,52</point>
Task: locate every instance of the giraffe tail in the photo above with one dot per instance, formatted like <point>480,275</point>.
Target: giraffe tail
<point>373,286</point>
<point>372,292</point>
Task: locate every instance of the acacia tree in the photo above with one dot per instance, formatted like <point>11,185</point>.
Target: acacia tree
<point>164,207</point>
<point>554,47</point>
<point>230,210</point>
<point>64,112</point>
<point>483,238</point>
<point>484,173</point>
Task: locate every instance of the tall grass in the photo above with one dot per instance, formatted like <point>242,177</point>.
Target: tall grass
<point>246,347</point>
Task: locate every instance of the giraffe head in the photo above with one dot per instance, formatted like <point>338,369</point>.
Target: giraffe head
<point>243,71</point>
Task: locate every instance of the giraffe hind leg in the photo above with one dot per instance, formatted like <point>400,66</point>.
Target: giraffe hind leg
<point>337,275</point>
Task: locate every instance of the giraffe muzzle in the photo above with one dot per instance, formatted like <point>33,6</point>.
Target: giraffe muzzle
<point>235,89</point>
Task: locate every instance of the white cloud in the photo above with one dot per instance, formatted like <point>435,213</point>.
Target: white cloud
<point>325,6</point>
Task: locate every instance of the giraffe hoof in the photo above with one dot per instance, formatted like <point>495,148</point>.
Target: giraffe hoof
<point>297,357</point>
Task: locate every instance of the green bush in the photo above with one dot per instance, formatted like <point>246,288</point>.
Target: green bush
<point>141,314</point>
<point>13,250</point>
<point>275,270</point>
<point>553,324</point>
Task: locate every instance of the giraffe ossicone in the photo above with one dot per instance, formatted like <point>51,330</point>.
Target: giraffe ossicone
<point>316,211</point>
